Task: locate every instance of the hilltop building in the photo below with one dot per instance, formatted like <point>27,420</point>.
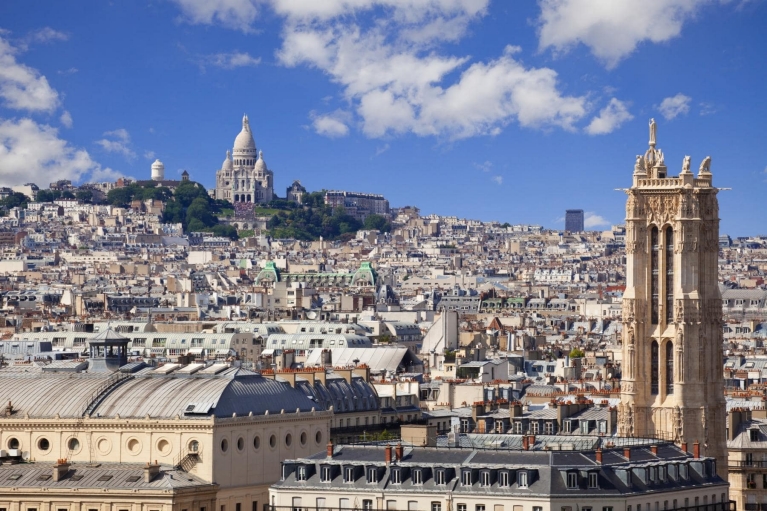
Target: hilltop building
<point>244,179</point>
<point>574,220</point>
<point>672,384</point>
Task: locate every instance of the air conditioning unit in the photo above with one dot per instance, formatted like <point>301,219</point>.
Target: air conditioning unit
<point>14,453</point>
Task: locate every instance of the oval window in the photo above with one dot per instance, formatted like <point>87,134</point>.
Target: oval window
<point>318,437</point>
<point>288,439</point>
<point>303,438</point>
<point>13,443</point>
<point>43,444</point>
<point>257,442</point>
<point>272,441</point>
<point>224,445</point>
<point>240,444</point>
<point>73,444</point>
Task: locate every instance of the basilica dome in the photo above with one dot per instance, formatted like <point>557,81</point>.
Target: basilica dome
<point>260,163</point>
<point>244,143</point>
<point>228,164</point>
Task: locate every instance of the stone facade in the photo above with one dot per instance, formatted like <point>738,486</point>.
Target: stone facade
<point>672,313</point>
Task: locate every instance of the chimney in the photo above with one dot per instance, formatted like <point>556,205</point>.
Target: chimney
<point>599,455</point>
<point>627,453</point>
<point>60,469</point>
<point>151,471</point>
<point>696,450</point>
<point>525,444</point>
<point>387,454</point>
<point>398,451</point>
<point>654,450</point>
<point>531,443</point>
<point>684,447</point>
<point>330,449</point>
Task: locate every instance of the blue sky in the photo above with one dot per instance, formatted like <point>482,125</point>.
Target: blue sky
<point>487,109</point>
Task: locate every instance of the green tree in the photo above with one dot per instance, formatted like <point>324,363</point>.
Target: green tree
<point>200,210</point>
<point>577,353</point>
<point>121,197</point>
<point>15,200</point>
<point>377,223</point>
<point>84,195</point>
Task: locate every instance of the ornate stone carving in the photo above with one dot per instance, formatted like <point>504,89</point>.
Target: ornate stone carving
<point>686,164</point>
<point>705,166</point>
<point>662,208</point>
<point>628,307</point>
<point>678,424</point>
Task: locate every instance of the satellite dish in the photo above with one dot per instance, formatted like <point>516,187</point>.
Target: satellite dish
<point>25,455</point>
<point>311,315</point>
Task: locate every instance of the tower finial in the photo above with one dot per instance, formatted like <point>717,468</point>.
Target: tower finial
<point>653,130</point>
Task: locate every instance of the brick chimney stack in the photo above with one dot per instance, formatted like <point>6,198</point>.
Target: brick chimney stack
<point>398,451</point>
<point>330,449</point>
<point>525,445</point>
<point>599,455</point>
<point>654,450</point>
<point>696,450</point>
<point>60,469</point>
<point>684,447</point>
<point>627,453</point>
<point>387,454</point>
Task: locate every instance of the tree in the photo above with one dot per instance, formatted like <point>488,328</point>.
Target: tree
<point>377,223</point>
<point>120,197</point>
<point>84,195</point>
<point>15,200</point>
<point>200,211</point>
<point>577,353</point>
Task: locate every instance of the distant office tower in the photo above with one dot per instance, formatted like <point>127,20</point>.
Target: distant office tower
<point>574,220</point>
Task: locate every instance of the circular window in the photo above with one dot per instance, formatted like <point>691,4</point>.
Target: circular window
<point>13,443</point>
<point>194,446</point>
<point>303,438</point>
<point>43,444</point>
<point>288,439</point>
<point>318,437</point>
<point>73,444</point>
<point>134,446</point>
<point>272,441</point>
<point>103,445</point>
<point>240,444</point>
<point>257,442</point>
<point>164,447</point>
<point>224,445</point>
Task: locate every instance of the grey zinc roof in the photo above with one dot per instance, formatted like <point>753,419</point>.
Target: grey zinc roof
<point>45,395</point>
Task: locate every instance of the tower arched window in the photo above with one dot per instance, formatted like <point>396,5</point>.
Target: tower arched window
<point>654,367</point>
<point>669,275</point>
<point>654,277</point>
<point>669,367</point>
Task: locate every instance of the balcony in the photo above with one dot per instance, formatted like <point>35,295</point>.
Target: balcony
<point>737,465</point>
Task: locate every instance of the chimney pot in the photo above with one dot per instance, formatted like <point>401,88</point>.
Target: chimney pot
<point>151,471</point>
<point>330,449</point>
<point>599,455</point>
<point>398,452</point>
<point>524,442</point>
<point>60,469</point>
<point>387,454</point>
<point>654,450</point>
<point>684,447</point>
<point>696,450</point>
<point>627,453</point>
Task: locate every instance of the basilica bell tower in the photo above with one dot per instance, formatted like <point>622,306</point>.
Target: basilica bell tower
<point>671,384</point>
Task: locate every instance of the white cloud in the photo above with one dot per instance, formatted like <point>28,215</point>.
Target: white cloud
<point>591,220</point>
<point>381,149</point>
<point>149,155</point>
<point>237,14</point>
<point>231,60</point>
<point>117,141</point>
<point>485,166</point>
<point>31,152</point>
<point>611,29</point>
<point>66,119</point>
<point>22,87</point>
<point>45,35</point>
<point>610,118</point>
<point>70,71</point>
<point>498,179</point>
<point>331,125</point>
<point>675,105</point>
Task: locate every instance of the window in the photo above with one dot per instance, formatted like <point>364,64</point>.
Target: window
<point>503,479</point>
<point>593,480</point>
<point>466,478</point>
<point>655,275</point>
<point>539,508</point>
<point>396,476</point>
<point>484,478</point>
<point>572,480</point>
<point>439,476</point>
<point>326,475</point>
<point>372,475</point>
<point>479,507</point>
<point>669,275</point>
<point>238,507</point>
<point>349,475</point>
<point>669,367</point>
<point>367,505</point>
<point>607,508</point>
<point>654,368</point>
<point>461,507</point>
<point>436,506</point>
<point>522,479</point>
<point>301,473</point>
<point>417,476</point>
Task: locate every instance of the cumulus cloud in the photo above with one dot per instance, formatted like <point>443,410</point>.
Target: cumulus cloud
<point>237,14</point>
<point>674,106</point>
<point>333,125</point>
<point>485,166</point>
<point>117,141</point>
<point>22,87</point>
<point>381,149</point>
<point>611,29</point>
<point>149,155</point>
<point>591,220</point>
<point>610,118</point>
<point>231,60</point>
<point>31,152</point>
<point>498,180</point>
<point>45,35</point>
<point>66,119</point>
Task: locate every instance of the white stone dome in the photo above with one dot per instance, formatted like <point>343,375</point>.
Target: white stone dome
<point>158,171</point>
<point>228,164</point>
<point>244,143</point>
<point>260,163</point>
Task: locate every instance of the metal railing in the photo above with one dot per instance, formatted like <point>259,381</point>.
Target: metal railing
<point>358,504</point>
<point>747,464</point>
<point>103,391</point>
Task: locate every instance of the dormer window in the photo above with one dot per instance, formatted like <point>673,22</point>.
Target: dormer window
<point>522,479</point>
<point>349,474</point>
<point>418,476</point>
<point>572,480</point>
<point>396,476</point>
<point>301,473</point>
<point>466,478</point>
<point>503,479</point>
<point>484,478</point>
<point>372,475</point>
<point>326,475</point>
<point>593,480</point>
<point>439,476</point>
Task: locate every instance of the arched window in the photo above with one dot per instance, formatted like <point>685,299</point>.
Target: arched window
<point>669,367</point>
<point>654,368</point>
<point>654,284</point>
<point>669,275</point>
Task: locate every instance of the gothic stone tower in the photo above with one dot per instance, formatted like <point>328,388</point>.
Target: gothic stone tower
<point>671,385</point>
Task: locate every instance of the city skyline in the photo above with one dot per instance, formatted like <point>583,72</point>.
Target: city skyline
<point>385,99</point>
